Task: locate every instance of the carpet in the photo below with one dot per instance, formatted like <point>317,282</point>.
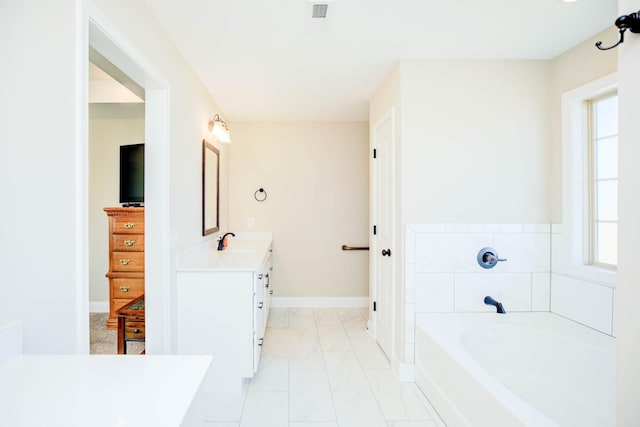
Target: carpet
<point>103,340</point>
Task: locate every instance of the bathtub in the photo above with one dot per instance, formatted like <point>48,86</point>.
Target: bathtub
<point>518,369</point>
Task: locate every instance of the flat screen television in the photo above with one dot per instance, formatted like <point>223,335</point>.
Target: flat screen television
<point>132,175</point>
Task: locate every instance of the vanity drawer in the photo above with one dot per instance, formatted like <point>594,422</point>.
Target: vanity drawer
<point>134,329</point>
<point>127,261</point>
<point>127,288</point>
<point>127,242</point>
<point>128,225</point>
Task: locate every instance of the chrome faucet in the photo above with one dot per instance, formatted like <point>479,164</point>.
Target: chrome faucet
<point>488,258</point>
<point>490,301</point>
<point>222,241</point>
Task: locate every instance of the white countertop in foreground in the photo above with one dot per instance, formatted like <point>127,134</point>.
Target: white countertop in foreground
<point>242,254</point>
<point>109,390</point>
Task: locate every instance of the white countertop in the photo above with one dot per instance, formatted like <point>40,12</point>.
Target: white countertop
<point>109,390</point>
<point>242,254</point>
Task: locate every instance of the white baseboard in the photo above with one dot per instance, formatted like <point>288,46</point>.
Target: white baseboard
<point>98,306</point>
<point>319,302</point>
<point>279,302</point>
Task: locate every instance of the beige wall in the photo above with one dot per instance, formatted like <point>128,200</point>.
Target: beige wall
<point>316,176</point>
<point>191,107</point>
<point>475,141</point>
<point>105,138</point>
<point>574,68</point>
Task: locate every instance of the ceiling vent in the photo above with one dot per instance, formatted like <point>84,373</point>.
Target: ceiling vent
<point>319,11</point>
<point>317,16</point>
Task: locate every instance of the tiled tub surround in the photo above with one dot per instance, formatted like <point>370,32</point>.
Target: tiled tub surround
<point>442,274</point>
<point>585,295</point>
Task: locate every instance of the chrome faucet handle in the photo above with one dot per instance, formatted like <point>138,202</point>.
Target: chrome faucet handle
<point>488,258</point>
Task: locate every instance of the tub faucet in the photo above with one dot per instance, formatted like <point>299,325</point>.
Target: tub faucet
<point>222,242</point>
<point>490,301</point>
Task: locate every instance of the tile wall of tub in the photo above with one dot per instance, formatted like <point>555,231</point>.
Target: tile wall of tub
<point>578,294</point>
<point>442,273</point>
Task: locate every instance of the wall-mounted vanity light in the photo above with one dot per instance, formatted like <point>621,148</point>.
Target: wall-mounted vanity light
<point>629,22</point>
<point>219,129</point>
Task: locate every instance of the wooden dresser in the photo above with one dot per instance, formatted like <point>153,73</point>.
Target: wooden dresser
<point>126,258</point>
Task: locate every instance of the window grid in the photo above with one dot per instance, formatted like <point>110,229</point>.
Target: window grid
<point>602,227</point>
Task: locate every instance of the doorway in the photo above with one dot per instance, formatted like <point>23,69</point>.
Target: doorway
<point>116,121</point>
<point>106,40</point>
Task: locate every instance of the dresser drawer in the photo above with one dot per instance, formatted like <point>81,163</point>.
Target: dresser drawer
<point>127,242</point>
<point>133,329</point>
<point>128,225</point>
<point>126,288</point>
<point>127,261</point>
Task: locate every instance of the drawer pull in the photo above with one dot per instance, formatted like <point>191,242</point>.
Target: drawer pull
<point>129,225</point>
<point>260,305</point>
<point>129,242</point>
<point>271,292</point>
<point>124,289</point>
<point>136,331</point>
<point>260,276</point>
<point>125,261</point>
<point>260,342</point>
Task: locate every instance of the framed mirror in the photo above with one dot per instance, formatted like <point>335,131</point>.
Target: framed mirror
<point>210,188</point>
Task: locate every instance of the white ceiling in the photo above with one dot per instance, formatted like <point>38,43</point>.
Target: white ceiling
<point>260,60</point>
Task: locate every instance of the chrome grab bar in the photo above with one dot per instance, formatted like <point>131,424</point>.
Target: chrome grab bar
<point>355,248</point>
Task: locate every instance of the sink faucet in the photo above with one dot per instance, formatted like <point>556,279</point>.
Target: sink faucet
<point>490,301</point>
<point>223,240</point>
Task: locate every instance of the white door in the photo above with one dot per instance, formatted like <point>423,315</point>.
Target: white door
<point>382,248</point>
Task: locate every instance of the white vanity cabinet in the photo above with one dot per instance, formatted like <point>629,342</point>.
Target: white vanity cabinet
<point>222,307</point>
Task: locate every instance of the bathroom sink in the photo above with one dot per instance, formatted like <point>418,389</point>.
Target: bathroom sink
<point>241,250</point>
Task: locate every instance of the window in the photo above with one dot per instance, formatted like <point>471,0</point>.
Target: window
<point>585,243</point>
<point>603,181</point>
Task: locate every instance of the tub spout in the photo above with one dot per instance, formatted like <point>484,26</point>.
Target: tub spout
<point>498,305</point>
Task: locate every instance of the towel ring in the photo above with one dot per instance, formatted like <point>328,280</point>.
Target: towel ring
<point>260,195</point>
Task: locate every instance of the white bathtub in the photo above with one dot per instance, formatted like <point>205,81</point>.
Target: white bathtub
<point>518,369</point>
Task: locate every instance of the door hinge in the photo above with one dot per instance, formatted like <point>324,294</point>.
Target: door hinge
<point>375,153</point>
<point>375,230</point>
<point>374,306</point>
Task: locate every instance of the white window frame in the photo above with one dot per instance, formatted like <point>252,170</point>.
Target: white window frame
<point>592,183</point>
<point>572,253</point>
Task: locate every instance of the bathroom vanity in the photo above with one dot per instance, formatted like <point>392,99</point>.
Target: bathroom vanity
<point>223,304</point>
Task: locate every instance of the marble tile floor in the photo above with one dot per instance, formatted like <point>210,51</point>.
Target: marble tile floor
<point>319,368</point>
